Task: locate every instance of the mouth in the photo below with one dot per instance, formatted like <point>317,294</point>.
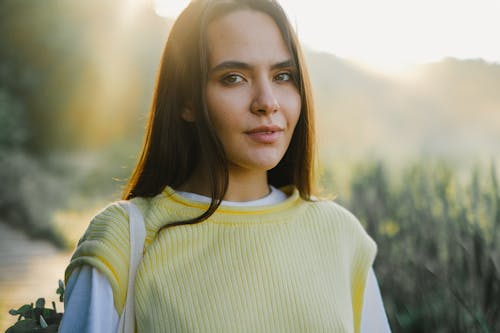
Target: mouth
<point>267,129</point>
<point>267,134</point>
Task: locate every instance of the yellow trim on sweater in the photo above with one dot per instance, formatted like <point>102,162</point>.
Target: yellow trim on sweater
<point>295,266</point>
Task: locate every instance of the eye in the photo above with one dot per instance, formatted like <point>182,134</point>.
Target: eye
<point>232,79</point>
<point>284,76</point>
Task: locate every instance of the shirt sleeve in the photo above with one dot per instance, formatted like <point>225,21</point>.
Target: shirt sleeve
<point>88,303</point>
<point>373,317</point>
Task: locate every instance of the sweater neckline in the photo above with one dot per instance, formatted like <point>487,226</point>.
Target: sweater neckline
<point>278,212</point>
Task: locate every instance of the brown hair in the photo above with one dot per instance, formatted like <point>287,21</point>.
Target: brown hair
<point>173,147</point>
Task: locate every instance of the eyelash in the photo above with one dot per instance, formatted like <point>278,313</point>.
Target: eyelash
<point>232,79</point>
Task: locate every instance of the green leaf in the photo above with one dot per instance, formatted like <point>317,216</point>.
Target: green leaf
<point>60,291</point>
<point>22,310</point>
<point>40,303</point>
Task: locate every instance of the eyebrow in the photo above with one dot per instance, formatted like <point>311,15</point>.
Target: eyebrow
<point>232,64</point>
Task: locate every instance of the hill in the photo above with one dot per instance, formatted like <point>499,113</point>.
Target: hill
<point>448,109</point>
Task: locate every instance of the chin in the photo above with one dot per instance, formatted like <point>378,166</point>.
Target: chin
<point>267,165</point>
<point>257,160</point>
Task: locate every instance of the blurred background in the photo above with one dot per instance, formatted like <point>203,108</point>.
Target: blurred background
<point>408,116</point>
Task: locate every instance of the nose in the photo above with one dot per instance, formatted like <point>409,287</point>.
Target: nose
<point>264,100</point>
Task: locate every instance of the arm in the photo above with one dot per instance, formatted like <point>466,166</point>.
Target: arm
<point>373,317</point>
<point>88,303</point>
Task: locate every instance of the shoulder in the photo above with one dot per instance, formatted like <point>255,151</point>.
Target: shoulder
<point>330,206</point>
<point>333,212</point>
<point>109,222</point>
<point>334,217</point>
<point>109,225</point>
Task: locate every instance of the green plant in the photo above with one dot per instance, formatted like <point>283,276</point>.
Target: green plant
<point>38,318</point>
<point>438,260</point>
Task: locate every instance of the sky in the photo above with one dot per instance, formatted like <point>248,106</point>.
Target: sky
<point>390,35</point>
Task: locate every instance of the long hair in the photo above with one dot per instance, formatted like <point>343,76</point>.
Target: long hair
<point>173,147</point>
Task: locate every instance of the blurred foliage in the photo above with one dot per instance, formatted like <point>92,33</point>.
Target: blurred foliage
<point>438,259</point>
<point>75,83</point>
<point>29,192</point>
<point>69,70</point>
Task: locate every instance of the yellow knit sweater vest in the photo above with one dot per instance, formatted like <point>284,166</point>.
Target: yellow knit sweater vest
<point>296,266</point>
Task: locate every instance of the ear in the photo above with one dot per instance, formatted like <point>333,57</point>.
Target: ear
<point>188,114</point>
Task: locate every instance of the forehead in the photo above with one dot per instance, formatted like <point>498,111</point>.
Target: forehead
<point>245,35</point>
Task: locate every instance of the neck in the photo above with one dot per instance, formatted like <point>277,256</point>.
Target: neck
<point>243,185</point>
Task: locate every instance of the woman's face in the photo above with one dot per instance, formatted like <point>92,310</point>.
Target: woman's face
<point>252,100</point>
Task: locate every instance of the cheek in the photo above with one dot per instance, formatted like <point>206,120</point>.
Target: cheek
<point>216,111</point>
<point>226,109</point>
<point>222,119</point>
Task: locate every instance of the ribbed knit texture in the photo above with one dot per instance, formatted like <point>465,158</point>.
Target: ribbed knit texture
<point>296,266</point>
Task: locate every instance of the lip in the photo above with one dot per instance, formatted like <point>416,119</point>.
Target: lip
<point>266,134</point>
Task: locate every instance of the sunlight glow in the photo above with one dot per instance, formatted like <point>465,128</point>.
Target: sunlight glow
<point>130,8</point>
<point>170,8</point>
<point>390,35</point>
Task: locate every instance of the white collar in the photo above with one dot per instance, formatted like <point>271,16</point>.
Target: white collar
<point>275,196</point>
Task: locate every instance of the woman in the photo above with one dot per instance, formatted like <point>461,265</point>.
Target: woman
<point>235,241</point>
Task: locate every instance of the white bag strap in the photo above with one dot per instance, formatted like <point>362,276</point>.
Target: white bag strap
<point>137,238</point>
